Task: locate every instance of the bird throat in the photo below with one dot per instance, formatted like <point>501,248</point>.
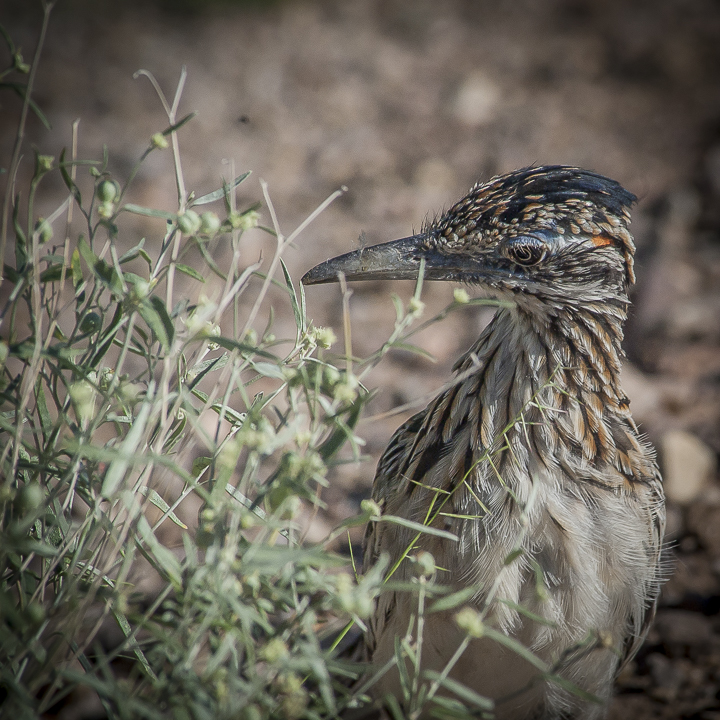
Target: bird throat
<point>550,381</point>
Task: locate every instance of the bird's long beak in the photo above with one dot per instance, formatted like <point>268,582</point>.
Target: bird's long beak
<point>396,260</point>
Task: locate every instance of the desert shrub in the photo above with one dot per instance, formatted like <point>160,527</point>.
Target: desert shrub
<point>124,408</point>
<point>161,457</point>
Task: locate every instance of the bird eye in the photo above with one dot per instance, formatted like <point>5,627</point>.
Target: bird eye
<point>526,250</point>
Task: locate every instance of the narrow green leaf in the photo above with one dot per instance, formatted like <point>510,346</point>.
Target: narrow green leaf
<point>512,556</point>
<point>69,183</point>
<point>158,502</point>
<point>199,465</point>
<point>117,468</point>
<point>401,666</point>
<point>393,705</point>
<point>462,691</point>
<point>108,337</point>
<point>155,323</point>
<point>176,435</point>
<point>127,630</point>
<point>268,370</point>
<point>449,602</point>
<point>232,416</point>
<point>77,275</point>
<point>303,307</point>
<point>10,274</point>
<point>222,192</point>
<point>208,259</point>
<point>164,560</point>
<point>203,397</point>
<point>574,689</point>
<point>293,299</point>
<point>516,646</point>
<point>524,611</point>
<point>208,366</point>
<point>451,708</point>
<point>52,274</point>
<point>179,124</point>
<point>244,348</point>
<point>187,270</point>
<point>149,212</point>
<point>419,527</point>
<point>102,271</point>
<point>342,432</point>
<point>21,90</point>
<point>41,404</point>
<point>161,310</point>
<point>21,243</point>
<point>414,349</point>
<point>132,253</point>
<point>245,501</point>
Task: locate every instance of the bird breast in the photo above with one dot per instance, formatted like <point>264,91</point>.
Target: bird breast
<point>556,505</point>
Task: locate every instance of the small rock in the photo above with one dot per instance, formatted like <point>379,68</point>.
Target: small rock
<point>666,674</point>
<point>689,466</point>
<point>694,318</point>
<point>704,521</point>
<point>683,628</point>
<point>643,393</point>
<point>477,100</point>
<point>674,523</point>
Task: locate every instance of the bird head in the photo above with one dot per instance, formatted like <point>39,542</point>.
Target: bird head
<point>553,234</point>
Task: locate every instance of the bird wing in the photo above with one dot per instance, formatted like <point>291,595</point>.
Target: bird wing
<point>387,477</point>
<point>657,558</point>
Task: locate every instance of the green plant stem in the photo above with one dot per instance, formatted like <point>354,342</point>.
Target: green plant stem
<point>20,135</point>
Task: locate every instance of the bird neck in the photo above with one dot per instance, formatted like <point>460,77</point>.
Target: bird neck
<point>565,351</point>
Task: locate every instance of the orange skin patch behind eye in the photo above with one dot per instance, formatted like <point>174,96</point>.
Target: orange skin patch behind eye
<point>601,240</point>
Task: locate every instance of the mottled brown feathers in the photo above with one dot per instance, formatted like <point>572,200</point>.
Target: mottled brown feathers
<point>530,457</point>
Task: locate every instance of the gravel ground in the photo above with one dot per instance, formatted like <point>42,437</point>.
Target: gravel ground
<point>407,104</point>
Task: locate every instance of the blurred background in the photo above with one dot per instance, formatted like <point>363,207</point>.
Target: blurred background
<point>407,104</point>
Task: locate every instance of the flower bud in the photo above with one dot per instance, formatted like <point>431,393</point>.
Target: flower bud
<point>325,337</point>
<point>140,290</point>
<point>106,210</point>
<point>425,563</point>
<point>470,621</point>
<point>416,307</point>
<point>209,223</point>
<point>275,651</point>
<point>91,323</point>
<point>29,498</point>
<point>371,508</point>
<point>107,191</point>
<point>44,230</point>
<point>45,162</point>
<point>158,140</point>
<point>82,394</point>
<point>189,222</point>
<point>244,221</point>
<point>19,64</point>
<point>460,296</point>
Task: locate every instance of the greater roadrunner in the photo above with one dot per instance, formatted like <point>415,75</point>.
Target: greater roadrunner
<point>530,458</point>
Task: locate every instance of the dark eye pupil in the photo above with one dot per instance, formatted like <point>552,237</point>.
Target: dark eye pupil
<point>526,254</point>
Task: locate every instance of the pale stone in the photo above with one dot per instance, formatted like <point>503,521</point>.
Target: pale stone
<point>477,100</point>
<point>689,466</point>
<point>643,393</point>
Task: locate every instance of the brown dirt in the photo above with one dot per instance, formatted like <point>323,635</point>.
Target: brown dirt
<point>407,104</point>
